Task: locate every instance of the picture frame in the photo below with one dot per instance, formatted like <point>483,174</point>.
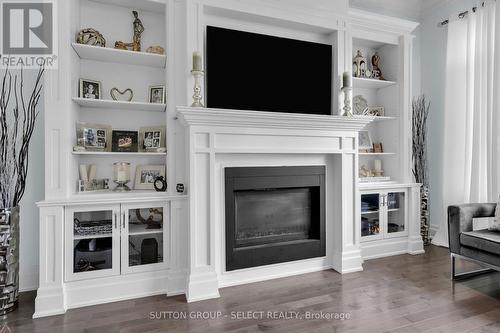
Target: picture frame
<point>375,111</point>
<point>365,144</point>
<point>125,141</point>
<point>93,137</point>
<point>145,176</point>
<point>378,148</point>
<point>90,89</point>
<point>157,94</point>
<point>152,138</point>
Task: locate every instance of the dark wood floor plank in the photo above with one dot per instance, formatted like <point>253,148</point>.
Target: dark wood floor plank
<point>401,294</point>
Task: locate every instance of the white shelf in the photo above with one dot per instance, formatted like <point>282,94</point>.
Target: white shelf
<point>371,83</point>
<point>92,236</point>
<point>140,229</point>
<point>372,212</point>
<point>109,153</point>
<point>119,105</point>
<point>107,54</point>
<point>376,154</point>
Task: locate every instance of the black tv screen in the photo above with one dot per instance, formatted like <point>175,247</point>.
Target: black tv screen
<point>250,71</point>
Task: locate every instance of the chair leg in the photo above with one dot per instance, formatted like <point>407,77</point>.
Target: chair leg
<point>465,275</point>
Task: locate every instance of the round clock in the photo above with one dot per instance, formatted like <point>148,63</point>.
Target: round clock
<point>160,184</point>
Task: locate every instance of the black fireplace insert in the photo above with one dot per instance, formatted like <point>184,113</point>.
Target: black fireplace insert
<point>274,214</point>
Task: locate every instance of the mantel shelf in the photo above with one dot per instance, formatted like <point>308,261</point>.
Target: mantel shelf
<point>258,119</point>
<point>119,105</point>
<point>376,118</point>
<point>107,54</point>
<point>109,153</point>
<point>371,83</point>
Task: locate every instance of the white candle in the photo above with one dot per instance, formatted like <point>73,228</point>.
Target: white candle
<point>347,80</point>
<point>83,172</point>
<point>196,61</point>
<point>121,176</point>
<point>377,165</point>
<point>92,172</point>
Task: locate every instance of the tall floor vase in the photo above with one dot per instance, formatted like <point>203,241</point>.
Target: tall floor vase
<point>9,259</point>
<point>424,214</point>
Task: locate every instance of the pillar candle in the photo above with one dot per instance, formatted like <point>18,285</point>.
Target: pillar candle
<point>377,165</point>
<point>196,61</point>
<point>347,80</point>
<point>83,172</point>
<point>92,172</point>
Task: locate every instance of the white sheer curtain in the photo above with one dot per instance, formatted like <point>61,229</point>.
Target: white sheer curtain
<point>471,114</point>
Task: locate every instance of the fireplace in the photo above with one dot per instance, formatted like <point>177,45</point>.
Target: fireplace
<point>274,214</point>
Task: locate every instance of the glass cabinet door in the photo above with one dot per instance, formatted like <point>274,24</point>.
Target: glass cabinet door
<point>143,237</point>
<point>370,216</point>
<point>396,213</point>
<point>93,240</point>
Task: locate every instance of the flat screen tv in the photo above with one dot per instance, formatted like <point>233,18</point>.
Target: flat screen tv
<point>250,71</point>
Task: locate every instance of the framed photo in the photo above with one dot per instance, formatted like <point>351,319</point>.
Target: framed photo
<point>157,94</point>
<point>125,141</point>
<point>152,138</point>
<point>145,176</point>
<point>376,111</point>
<point>365,144</point>
<point>93,137</point>
<point>90,89</point>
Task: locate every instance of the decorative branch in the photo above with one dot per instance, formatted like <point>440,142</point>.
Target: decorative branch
<point>420,114</point>
<point>17,123</point>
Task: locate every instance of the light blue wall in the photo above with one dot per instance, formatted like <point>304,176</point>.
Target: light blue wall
<point>433,59</point>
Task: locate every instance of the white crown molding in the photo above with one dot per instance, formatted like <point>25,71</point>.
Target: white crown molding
<point>276,120</point>
<point>371,21</point>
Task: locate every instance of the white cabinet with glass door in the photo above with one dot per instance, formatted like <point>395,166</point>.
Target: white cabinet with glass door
<point>143,237</point>
<point>384,214</point>
<point>115,239</point>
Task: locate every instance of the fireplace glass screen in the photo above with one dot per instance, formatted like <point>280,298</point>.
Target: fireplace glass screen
<point>271,216</point>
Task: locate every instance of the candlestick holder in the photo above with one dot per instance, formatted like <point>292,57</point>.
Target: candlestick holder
<point>197,89</point>
<point>121,175</point>
<point>347,101</point>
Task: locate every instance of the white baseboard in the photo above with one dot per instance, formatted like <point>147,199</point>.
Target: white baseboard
<point>270,272</point>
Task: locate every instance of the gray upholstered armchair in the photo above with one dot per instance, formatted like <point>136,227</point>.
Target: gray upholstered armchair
<point>479,246</point>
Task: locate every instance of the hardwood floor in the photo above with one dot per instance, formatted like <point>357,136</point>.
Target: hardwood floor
<point>397,294</point>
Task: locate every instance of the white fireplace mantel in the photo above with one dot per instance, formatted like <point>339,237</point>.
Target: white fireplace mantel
<point>218,138</point>
<point>257,119</point>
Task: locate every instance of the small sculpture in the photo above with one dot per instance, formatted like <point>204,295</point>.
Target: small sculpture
<point>364,172</point>
<point>156,49</point>
<point>136,39</point>
<point>359,65</point>
<point>115,90</point>
<point>90,36</point>
<point>376,71</point>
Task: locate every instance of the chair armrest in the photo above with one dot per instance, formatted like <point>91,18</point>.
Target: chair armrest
<point>460,220</point>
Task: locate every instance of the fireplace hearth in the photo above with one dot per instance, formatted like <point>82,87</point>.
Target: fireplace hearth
<point>274,214</point>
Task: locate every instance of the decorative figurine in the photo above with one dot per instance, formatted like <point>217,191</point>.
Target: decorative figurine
<point>180,188</point>
<point>359,65</point>
<point>136,39</point>
<point>156,49</point>
<point>376,71</point>
<point>90,36</point>
<point>364,171</point>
